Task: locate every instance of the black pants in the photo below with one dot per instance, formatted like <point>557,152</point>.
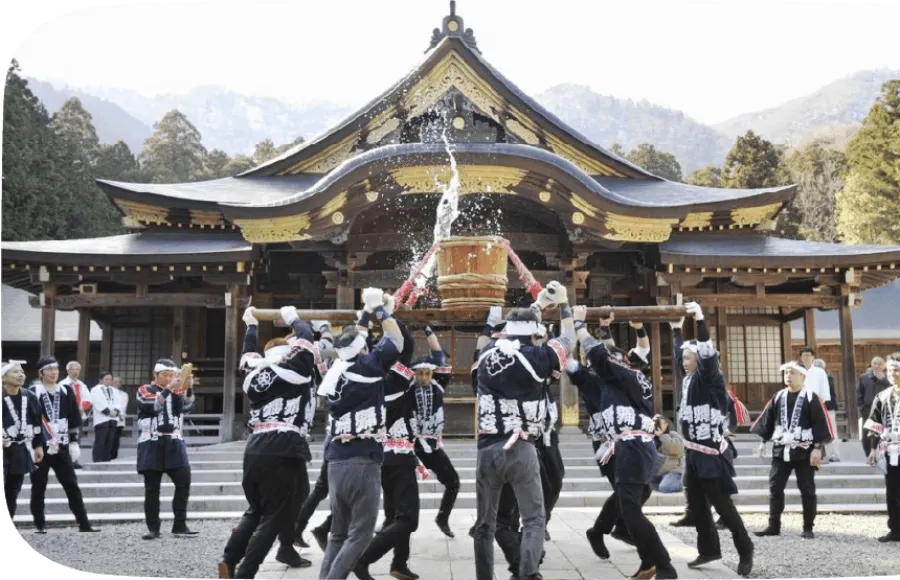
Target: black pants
<point>312,501</point>
<point>181,477</point>
<point>12,485</point>
<point>703,493</point>
<point>438,462</point>
<point>401,516</point>
<point>61,463</point>
<point>892,485</point>
<point>631,498</point>
<point>806,483</point>
<point>271,485</point>
<point>116,439</point>
<point>610,515</point>
<point>104,440</point>
<point>552,472</point>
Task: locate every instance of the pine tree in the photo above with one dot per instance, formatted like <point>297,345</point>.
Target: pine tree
<point>264,151</point>
<point>752,162</point>
<point>868,206</point>
<point>175,152</point>
<point>215,163</point>
<point>819,174</point>
<point>117,162</point>
<point>657,162</point>
<point>74,124</point>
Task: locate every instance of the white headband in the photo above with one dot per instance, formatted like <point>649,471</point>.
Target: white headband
<point>792,365</point>
<point>161,367</point>
<point>352,349</point>
<point>521,328</point>
<point>48,366</point>
<point>890,363</point>
<point>691,346</point>
<point>278,351</point>
<point>10,365</point>
<point>424,365</point>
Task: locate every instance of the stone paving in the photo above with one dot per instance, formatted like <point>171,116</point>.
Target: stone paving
<point>436,557</point>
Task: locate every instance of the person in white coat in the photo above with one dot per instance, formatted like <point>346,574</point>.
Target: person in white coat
<point>105,412</point>
<point>122,406</point>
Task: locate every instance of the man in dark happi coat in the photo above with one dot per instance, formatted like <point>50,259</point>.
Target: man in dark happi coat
<point>280,385</point>
<point>883,425</point>
<point>62,424</point>
<point>431,378</point>
<point>709,461</point>
<point>623,397</point>
<point>161,407</point>
<point>354,392</point>
<point>796,422</point>
<point>23,435</point>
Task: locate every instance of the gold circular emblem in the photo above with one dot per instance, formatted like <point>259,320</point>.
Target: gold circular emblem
<point>453,26</point>
<point>459,123</point>
<point>371,195</point>
<point>578,218</point>
<point>545,196</point>
<point>337,218</point>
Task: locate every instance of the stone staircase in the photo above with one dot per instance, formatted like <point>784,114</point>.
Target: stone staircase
<point>114,491</point>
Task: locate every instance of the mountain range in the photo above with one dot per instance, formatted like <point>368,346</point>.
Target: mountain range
<point>236,122</point>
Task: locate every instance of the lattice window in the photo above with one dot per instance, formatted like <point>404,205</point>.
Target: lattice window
<point>754,354</point>
<point>131,353</point>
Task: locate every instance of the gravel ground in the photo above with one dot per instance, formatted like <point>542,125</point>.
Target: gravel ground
<point>845,545</point>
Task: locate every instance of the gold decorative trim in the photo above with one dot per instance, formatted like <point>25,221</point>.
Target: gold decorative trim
<point>278,229</point>
<point>204,218</point>
<point>473,179</point>
<point>570,416</point>
<point>372,195</point>
<point>544,196</point>
<point>638,229</point>
<point>143,213</point>
<point>577,218</point>
<point>328,159</point>
<point>336,203</point>
<point>382,131</point>
<point>337,218</point>
<point>521,131</point>
<point>700,220</point>
<point>750,216</point>
<point>581,204</point>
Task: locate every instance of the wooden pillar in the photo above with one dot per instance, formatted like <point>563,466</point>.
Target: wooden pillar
<point>656,367</point>
<point>848,366</point>
<point>722,337</point>
<point>346,290</point>
<point>787,352</point>
<point>232,318</point>
<point>177,334</point>
<point>568,393</point>
<point>84,341</point>
<point>809,327</point>
<point>106,347</point>
<point>48,319</point>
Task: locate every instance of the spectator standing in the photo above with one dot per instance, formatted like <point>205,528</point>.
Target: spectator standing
<point>833,449</point>
<point>870,384</point>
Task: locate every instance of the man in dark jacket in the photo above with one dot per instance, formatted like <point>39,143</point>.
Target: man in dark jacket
<point>870,384</point>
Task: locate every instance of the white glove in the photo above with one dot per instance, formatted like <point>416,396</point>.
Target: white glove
<point>536,308</point>
<point>372,298</point>
<point>289,314</point>
<point>694,310</point>
<point>761,450</point>
<point>389,303</point>
<point>678,323</point>
<point>320,325</point>
<point>495,316</point>
<point>249,319</point>
<point>553,293</point>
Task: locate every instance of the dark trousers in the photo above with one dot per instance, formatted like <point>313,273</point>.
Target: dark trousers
<point>12,485</point>
<point>181,477</point>
<point>552,472</point>
<point>438,462</point>
<point>61,463</point>
<point>703,493</point>
<point>892,485</point>
<point>631,498</point>
<point>312,501</point>
<point>806,483</point>
<point>104,440</point>
<point>401,516</point>
<point>508,534</point>
<point>116,439</point>
<point>271,487</point>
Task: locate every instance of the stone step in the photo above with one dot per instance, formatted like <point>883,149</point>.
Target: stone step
<point>23,518</point>
<point>236,502</point>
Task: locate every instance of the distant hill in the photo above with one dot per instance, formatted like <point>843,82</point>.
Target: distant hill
<point>833,112</point>
<point>606,120</point>
<point>112,122</point>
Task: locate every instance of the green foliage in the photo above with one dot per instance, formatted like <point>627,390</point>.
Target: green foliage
<point>618,149</point>
<point>709,176</point>
<point>753,162</point>
<point>215,163</point>
<point>657,162</point>
<point>239,164</point>
<point>75,125</point>
<point>116,162</point>
<point>819,173</point>
<point>175,152</point>
<point>868,205</point>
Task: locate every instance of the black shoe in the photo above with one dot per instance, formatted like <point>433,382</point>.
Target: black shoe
<point>300,542</point>
<point>362,572</point>
<point>184,531</point>
<point>808,535</point>
<point>546,535</point>
<point>88,529</point>
<point>40,530</point>
<point>701,560</point>
<point>403,573</point>
<point>77,465</point>
<point>226,570</point>
<point>288,555</point>
<point>685,522</point>
<point>769,531</point>
<point>666,572</point>
<point>644,573</point>
<point>472,532</point>
<point>622,537</point>
<point>444,526</point>
<point>151,536</point>
<point>745,566</point>
<point>890,537</point>
<point>321,537</point>
<point>595,539</point>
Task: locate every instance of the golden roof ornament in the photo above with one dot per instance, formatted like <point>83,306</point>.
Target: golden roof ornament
<point>453,26</point>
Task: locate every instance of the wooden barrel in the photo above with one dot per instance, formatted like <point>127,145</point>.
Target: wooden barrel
<point>471,272</point>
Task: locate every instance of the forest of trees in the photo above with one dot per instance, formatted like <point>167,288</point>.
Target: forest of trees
<point>50,163</point>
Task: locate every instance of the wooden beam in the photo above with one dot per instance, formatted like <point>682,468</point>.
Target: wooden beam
<point>48,319</point>
<point>84,340</point>
<point>177,334</point>
<point>232,318</point>
<point>751,300</point>
<point>73,301</point>
<point>656,367</point>
<point>521,241</point>
<point>809,327</point>
<point>848,368</point>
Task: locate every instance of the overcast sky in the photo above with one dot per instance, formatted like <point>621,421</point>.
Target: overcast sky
<point>712,59</point>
